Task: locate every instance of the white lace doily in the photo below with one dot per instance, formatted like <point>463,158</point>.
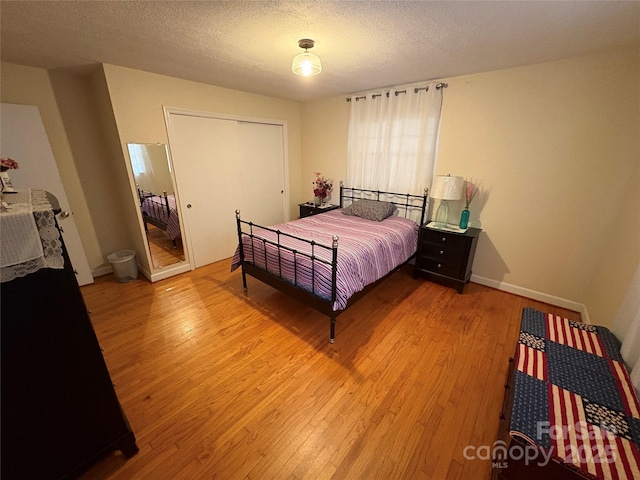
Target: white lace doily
<point>32,206</point>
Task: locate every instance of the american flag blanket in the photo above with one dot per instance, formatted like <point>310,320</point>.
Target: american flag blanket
<point>367,251</point>
<point>573,397</point>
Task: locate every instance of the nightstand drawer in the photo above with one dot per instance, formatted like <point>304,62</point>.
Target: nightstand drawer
<point>444,238</point>
<point>446,257</point>
<point>442,252</point>
<point>439,267</point>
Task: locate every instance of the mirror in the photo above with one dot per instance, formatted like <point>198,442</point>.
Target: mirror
<point>157,202</point>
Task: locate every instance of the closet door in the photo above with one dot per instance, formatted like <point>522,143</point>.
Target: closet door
<point>222,165</point>
<point>262,179</point>
<point>206,159</point>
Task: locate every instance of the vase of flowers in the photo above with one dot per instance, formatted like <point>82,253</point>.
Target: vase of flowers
<point>322,189</point>
<point>469,192</point>
<point>5,165</point>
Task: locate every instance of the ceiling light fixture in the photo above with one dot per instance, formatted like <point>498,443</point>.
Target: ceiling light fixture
<point>306,63</point>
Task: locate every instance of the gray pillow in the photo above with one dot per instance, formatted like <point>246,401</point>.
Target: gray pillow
<point>370,209</point>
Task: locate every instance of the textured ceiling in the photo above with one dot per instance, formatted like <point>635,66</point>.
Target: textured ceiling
<point>248,45</point>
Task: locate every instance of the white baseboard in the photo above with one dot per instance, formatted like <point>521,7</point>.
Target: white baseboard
<point>170,271</point>
<point>535,295</point>
<point>152,277</point>
<point>145,272</point>
<point>107,269</point>
<point>103,270</point>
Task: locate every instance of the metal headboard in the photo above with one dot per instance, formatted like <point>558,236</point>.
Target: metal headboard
<point>405,202</point>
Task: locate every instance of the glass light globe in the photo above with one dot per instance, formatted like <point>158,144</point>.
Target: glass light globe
<point>306,64</point>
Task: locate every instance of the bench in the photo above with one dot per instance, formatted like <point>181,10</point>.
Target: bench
<point>570,410</point>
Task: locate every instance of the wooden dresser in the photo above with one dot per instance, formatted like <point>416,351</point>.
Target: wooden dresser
<point>60,412</point>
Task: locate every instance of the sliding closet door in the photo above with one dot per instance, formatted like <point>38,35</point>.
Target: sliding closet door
<point>222,165</point>
<point>262,178</point>
<point>205,161</point>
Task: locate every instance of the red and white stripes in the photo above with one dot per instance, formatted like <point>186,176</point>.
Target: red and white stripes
<point>559,330</point>
<point>532,362</point>
<point>588,447</point>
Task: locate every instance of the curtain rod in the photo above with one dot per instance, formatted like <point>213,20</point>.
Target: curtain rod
<point>397,92</point>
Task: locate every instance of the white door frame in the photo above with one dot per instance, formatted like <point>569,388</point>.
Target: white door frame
<point>168,111</point>
<point>25,139</point>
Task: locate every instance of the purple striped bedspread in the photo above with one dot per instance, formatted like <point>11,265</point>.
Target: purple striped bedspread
<point>155,208</point>
<point>367,251</point>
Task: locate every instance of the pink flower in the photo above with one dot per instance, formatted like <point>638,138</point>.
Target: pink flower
<point>322,188</point>
<point>8,164</point>
<point>470,192</point>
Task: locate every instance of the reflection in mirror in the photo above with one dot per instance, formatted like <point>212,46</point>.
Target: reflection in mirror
<point>154,184</point>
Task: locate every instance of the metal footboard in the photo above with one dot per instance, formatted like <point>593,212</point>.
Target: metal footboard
<point>256,262</point>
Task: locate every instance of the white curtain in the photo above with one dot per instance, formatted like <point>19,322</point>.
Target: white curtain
<point>142,166</point>
<point>393,138</point>
<point>626,327</point>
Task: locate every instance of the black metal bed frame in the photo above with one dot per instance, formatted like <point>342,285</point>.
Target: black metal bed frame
<point>156,206</point>
<point>312,298</point>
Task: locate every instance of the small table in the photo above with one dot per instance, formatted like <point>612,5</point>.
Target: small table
<point>446,257</point>
<point>306,209</point>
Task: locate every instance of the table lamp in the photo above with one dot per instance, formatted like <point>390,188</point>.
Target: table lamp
<point>445,188</point>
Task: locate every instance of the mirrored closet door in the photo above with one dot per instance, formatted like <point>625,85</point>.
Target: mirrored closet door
<point>156,199</point>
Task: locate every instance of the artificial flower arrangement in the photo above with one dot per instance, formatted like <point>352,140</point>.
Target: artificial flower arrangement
<point>5,181</point>
<point>322,187</point>
<point>8,164</point>
<point>470,191</point>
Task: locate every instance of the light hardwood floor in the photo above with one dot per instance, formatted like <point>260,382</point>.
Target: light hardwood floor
<point>221,385</point>
<point>163,252</point>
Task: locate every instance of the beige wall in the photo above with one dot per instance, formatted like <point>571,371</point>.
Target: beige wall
<point>136,102</point>
<point>125,231</point>
<point>138,98</point>
<point>33,86</point>
<point>555,146</point>
<point>78,100</point>
<point>325,127</point>
<point>620,256</point>
<point>89,120</point>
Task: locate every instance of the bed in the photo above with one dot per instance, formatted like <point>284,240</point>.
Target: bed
<point>329,261</point>
<point>569,405</point>
<point>161,212</point>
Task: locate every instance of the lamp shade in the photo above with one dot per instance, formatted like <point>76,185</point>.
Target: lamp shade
<point>446,187</point>
<point>306,64</point>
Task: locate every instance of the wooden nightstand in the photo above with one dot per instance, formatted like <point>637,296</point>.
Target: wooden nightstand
<point>307,210</point>
<point>446,257</point>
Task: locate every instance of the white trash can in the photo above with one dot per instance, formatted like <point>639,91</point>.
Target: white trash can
<point>124,265</point>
